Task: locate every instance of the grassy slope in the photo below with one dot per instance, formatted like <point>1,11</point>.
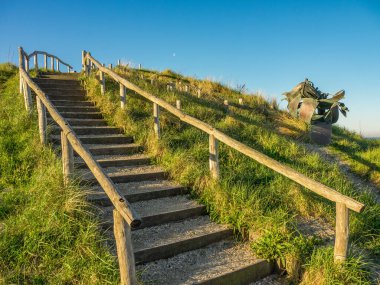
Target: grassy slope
<point>47,232</point>
<point>249,196</point>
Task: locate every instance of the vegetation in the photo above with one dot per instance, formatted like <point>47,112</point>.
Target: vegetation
<point>256,201</point>
<point>48,234</point>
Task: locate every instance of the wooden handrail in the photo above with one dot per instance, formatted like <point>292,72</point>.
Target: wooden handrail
<point>287,171</point>
<point>49,55</point>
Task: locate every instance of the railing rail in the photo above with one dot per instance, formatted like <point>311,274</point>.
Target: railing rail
<point>53,67</point>
<point>343,202</point>
<point>70,141</point>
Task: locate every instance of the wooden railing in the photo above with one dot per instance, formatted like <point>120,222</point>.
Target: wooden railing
<point>343,203</point>
<point>46,55</point>
<point>124,215</point>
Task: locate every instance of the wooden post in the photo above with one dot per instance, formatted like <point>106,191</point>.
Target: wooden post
<point>125,255</point>
<point>67,158</point>
<point>214,161</point>
<point>240,101</point>
<point>118,62</point>
<point>178,104</point>
<point>27,97</point>
<point>122,96</point>
<point>52,63</point>
<point>26,64</point>
<point>139,66</point>
<point>41,120</point>
<point>57,61</point>
<point>83,61</point>
<point>45,61</point>
<point>36,62</point>
<point>88,66</point>
<point>341,233</point>
<point>102,82</point>
<point>68,69</point>
<point>199,93</point>
<point>156,114</point>
<point>110,66</point>
<point>152,81</point>
<point>21,66</point>
<point>186,88</point>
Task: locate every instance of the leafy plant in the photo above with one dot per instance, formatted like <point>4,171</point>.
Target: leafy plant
<point>310,104</point>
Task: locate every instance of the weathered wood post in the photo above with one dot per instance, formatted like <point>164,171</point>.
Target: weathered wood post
<point>83,61</point>
<point>139,65</point>
<point>36,62</point>
<point>67,158</point>
<point>118,62</point>
<point>102,82</point>
<point>178,104</point>
<point>26,64</point>
<point>156,114</point>
<point>52,63</point>
<point>125,255</point>
<point>199,93</point>
<point>21,66</point>
<point>57,61</point>
<point>27,96</point>
<point>45,61</point>
<point>214,160</point>
<point>41,120</point>
<point>122,96</point>
<point>341,233</point>
<point>68,69</point>
<point>241,101</point>
<point>110,66</point>
<point>186,88</point>
<point>227,105</point>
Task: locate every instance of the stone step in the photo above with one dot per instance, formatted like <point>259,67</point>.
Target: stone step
<point>83,115</point>
<point>66,103</point>
<point>159,211</point>
<point>89,130</point>
<point>79,109</point>
<point>169,239</point>
<point>97,139</point>
<point>223,263</point>
<point>115,160</point>
<point>126,174</point>
<point>73,98</point>
<point>138,191</point>
<point>114,149</point>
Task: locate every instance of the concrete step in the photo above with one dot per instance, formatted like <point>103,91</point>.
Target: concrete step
<point>97,139</point>
<point>83,115</point>
<point>170,239</point>
<point>138,191</point>
<point>159,211</point>
<point>114,149</point>
<point>126,174</point>
<point>79,109</point>
<point>223,263</point>
<point>66,103</point>
<point>115,160</point>
<point>89,130</point>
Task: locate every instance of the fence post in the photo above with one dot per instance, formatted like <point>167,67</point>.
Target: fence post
<point>45,61</point>
<point>67,158</point>
<point>118,62</point>
<point>83,60</point>
<point>178,104</point>
<point>122,232</point>
<point>41,120</point>
<point>102,82</point>
<point>156,114</point>
<point>110,66</point>
<point>122,96</point>
<point>27,96</point>
<point>57,61</point>
<point>199,93</point>
<point>21,66</point>
<point>341,233</point>
<point>26,64</point>
<point>214,161</point>
<point>52,63</point>
<point>240,101</point>
<point>36,62</point>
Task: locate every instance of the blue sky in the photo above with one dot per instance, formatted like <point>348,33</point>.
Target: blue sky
<point>268,45</point>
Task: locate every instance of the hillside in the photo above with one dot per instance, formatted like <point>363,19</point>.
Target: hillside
<point>266,207</point>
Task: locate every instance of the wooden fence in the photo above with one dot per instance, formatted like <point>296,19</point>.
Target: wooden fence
<point>124,216</point>
<point>343,202</point>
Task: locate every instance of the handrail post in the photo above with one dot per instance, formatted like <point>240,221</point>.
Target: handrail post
<point>341,232</point>
<point>213,158</point>
<point>122,96</point>
<point>36,62</point>
<point>122,232</point>
<point>21,66</point>
<point>178,104</point>
<point>67,158</point>
<point>45,61</point>
<point>156,116</point>
<point>41,120</point>
<point>57,61</point>
<point>26,64</point>
<point>102,82</point>
<point>52,63</point>
<point>27,96</point>
<point>83,60</point>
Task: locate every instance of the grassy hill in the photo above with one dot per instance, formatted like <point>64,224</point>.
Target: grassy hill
<point>257,202</point>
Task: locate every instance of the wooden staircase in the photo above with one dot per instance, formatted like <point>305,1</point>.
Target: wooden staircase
<point>177,243</point>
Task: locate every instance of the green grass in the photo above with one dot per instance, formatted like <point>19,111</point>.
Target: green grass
<point>253,199</point>
<point>48,232</point>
